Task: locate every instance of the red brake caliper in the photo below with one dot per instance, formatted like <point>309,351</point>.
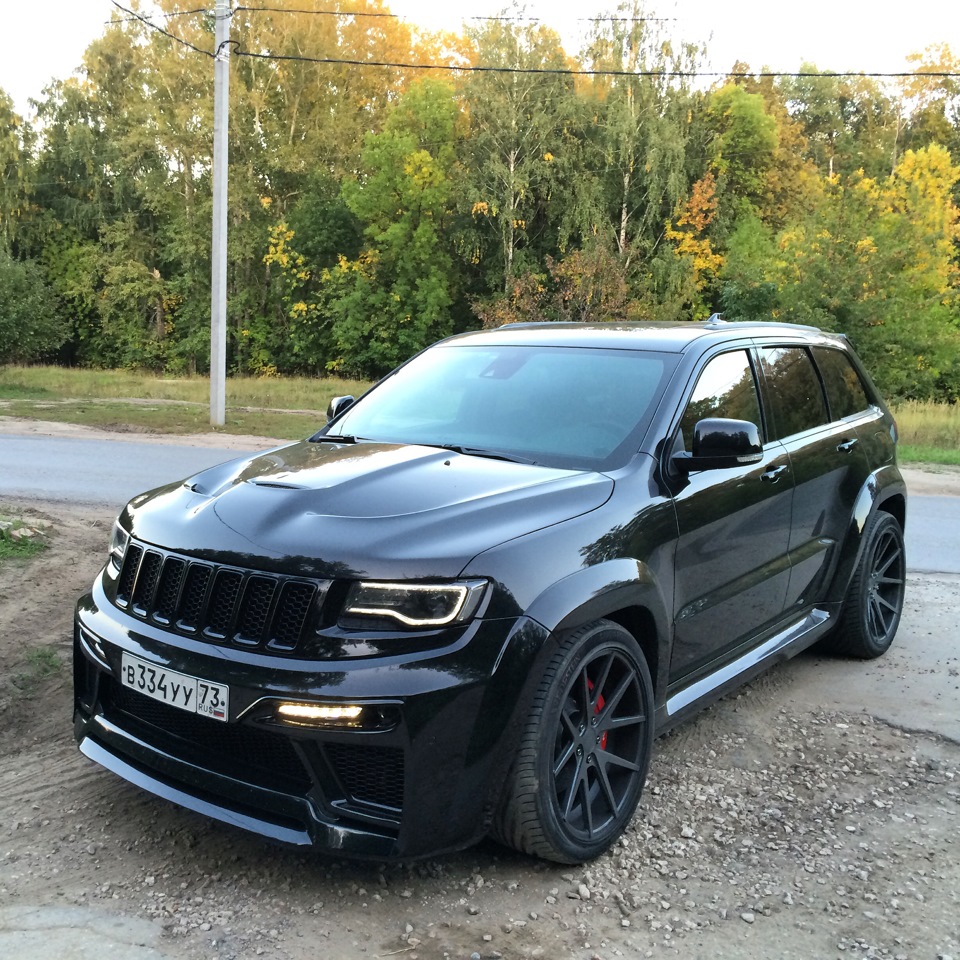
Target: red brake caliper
<point>600,703</point>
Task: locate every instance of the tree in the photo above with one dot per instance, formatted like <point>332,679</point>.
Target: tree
<point>516,135</point>
<point>642,130</point>
<point>850,123</point>
<point>692,244</point>
<point>875,261</point>
<point>748,289</point>
<point>744,140</point>
<point>932,103</point>
<point>31,324</point>
<point>397,296</point>
<point>16,139</point>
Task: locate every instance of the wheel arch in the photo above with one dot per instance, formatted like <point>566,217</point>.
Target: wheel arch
<point>624,591</point>
<point>883,490</point>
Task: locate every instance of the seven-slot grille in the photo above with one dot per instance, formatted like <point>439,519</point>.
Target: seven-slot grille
<point>246,608</point>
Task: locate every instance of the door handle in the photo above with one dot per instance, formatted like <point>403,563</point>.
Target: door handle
<point>772,475</point>
<point>846,446</point>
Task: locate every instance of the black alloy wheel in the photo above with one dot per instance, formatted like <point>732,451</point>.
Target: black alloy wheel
<point>585,750</point>
<point>874,601</point>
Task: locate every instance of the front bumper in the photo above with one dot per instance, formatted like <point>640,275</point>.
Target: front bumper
<point>424,782</point>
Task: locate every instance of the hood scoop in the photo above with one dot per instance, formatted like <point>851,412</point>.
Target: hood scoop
<point>278,484</point>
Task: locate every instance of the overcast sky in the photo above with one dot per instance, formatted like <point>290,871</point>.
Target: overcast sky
<point>41,40</point>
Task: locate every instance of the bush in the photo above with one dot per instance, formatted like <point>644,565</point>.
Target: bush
<point>32,325</point>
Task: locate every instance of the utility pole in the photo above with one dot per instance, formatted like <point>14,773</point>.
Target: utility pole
<point>218,284</point>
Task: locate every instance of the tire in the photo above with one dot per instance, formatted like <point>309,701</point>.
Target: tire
<point>874,601</point>
<point>584,752</point>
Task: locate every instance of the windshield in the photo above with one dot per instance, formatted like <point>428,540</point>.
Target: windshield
<point>559,406</point>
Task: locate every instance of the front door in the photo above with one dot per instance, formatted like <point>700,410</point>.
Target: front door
<point>732,560</point>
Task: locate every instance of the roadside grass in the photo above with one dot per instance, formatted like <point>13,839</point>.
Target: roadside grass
<point>39,663</point>
<point>929,432</point>
<point>17,548</point>
<point>287,408</point>
<point>171,416</point>
<point>912,453</point>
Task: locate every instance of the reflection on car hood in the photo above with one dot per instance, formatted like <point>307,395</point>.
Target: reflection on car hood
<point>364,509</point>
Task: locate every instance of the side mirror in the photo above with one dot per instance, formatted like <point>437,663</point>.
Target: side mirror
<point>337,406</point>
<point>719,443</point>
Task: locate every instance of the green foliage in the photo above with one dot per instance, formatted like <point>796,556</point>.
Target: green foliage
<point>14,546</point>
<point>747,290</point>
<point>31,324</point>
<point>926,426</point>
<point>396,298</point>
<point>38,664</point>
<point>743,144</point>
<point>368,208</point>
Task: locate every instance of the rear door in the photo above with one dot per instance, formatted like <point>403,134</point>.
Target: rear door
<point>826,456</point>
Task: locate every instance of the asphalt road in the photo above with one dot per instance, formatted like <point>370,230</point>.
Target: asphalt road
<point>106,473</point>
<point>96,472</point>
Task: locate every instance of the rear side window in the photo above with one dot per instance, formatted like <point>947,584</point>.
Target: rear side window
<point>725,388</point>
<point>845,391</point>
<point>794,391</point>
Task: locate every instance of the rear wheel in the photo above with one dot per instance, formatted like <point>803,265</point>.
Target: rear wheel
<point>871,612</point>
<point>584,753</point>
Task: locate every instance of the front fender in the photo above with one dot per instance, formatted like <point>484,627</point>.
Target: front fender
<point>884,489</point>
<point>625,590</point>
<point>595,592</point>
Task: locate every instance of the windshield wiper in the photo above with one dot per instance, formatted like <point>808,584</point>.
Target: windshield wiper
<point>334,438</point>
<point>480,452</point>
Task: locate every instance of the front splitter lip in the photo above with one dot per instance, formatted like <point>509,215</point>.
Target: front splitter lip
<point>294,820</point>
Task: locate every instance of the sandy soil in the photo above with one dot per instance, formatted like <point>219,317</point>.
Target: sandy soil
<point>778,824</point>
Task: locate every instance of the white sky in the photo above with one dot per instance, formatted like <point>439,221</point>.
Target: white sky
<point>42,39</point>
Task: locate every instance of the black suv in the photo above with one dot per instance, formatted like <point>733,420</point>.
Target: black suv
<point>471,601</point>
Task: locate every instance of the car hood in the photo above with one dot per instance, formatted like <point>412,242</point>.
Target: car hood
<point>367,509</point>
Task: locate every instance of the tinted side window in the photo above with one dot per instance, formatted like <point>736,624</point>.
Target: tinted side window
<point>793,388</point>
<point>725,388</point>
<point>845,391</point>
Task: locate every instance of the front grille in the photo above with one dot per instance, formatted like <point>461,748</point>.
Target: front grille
<point>237,750</point>
<point>369,774</point>
<point>246,608</point>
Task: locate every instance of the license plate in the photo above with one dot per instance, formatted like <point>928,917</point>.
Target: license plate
<point>176,689</point>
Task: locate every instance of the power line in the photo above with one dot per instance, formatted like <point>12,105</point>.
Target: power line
<point>136,16</point>
<point>164,16</point>
<point>535,71</point>
<point>320,13</point>
<point>583,72</point>
<point>398,16</point>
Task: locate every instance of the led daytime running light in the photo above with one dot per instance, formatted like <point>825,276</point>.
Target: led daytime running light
<point>457,602</point>
<point>316,711</point>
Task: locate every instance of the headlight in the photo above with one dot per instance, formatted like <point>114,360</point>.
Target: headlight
<point>413,605</point>
<point>118,547</point>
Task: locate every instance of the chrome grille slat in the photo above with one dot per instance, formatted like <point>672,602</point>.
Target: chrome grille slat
<point>220,604</point>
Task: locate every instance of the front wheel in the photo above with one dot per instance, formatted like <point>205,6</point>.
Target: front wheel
<point>584,753</point>
<point>874,602</point>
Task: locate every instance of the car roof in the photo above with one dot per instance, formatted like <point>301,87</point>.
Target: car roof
<point>664,337</point>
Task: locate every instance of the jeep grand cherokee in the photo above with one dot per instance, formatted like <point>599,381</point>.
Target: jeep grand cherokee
<point>470,602</point>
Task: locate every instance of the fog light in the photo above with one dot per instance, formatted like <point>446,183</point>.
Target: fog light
<point>320,714</point>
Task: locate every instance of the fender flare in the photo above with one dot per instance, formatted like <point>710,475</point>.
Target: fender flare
<point>605,591</point>
<point>884,488</point>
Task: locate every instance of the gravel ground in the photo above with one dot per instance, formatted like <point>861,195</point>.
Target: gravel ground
<point>775,824</point>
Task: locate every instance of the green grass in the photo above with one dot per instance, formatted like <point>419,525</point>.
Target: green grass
<point>929,433</point>
<point>17,549</point>
<point>929,425</point>
<point>292,407</point>
<point>287,408</point>
<point>911,453</point>
<point>40,663</point>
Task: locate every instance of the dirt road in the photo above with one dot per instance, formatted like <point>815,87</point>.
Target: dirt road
<point>787,821</point>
